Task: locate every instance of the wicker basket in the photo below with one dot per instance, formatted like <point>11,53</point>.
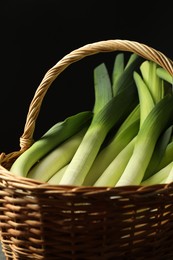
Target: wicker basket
<point>42,221</point>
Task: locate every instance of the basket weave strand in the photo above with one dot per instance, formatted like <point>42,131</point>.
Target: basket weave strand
<point>42,221</point>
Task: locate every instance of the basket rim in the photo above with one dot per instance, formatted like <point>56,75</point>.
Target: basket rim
<point>11,181</point>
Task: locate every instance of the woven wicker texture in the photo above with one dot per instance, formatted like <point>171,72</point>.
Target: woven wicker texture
<point>42,221</point>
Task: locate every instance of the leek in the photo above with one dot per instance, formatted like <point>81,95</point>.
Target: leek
<point>123,78</point>
<point>45,168</point>
<point>159,176</point>
<point>167,156</point>
<point>52,138</point>
<point>164,74</point>
<point>102,87</point>
<point>101,124</point>
<point>152,80</point>
<point>169,178</point>
<point>156,122</point>
<point>113,172</point>
<point>55,179</point>
<point>159,152</point>
<point>108,153</point>
<point>145,99</point>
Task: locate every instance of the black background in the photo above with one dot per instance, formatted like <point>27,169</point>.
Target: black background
<point>35,34</point>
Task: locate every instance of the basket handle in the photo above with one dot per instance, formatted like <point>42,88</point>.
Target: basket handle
<point>87,50</point>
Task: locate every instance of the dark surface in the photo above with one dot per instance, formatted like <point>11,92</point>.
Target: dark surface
<point>37,34</point>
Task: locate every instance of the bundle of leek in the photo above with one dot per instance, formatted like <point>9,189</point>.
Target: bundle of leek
<point>125,140</point>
